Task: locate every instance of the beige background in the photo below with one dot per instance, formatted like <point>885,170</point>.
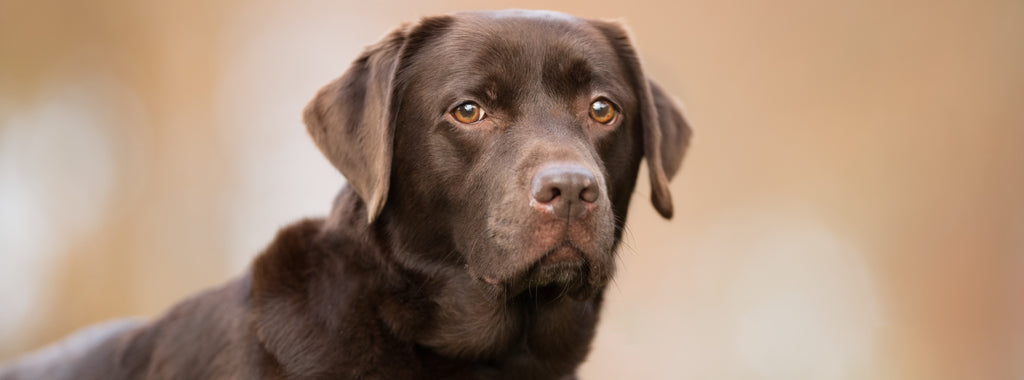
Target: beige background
<point>851,207</point>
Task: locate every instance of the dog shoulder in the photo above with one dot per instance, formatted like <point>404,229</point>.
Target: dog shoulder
<point>284,264</point>
<point>315,299</point>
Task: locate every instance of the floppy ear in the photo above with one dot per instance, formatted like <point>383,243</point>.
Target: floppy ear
<point>665,131</point>
<point>675,131</point>
<point>352,121</point>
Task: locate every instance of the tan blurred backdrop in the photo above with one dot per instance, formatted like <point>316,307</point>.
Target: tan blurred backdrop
<point>852,206</point>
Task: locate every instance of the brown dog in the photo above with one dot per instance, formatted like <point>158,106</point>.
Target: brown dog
<point>490,159</point>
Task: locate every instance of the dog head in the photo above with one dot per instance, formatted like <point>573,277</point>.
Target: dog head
<point>507,143</point>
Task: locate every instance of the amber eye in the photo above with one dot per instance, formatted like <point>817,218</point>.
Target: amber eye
<point>468,113</point>
<point>602,111</point>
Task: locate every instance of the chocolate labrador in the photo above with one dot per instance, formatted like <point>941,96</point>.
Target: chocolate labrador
<point>490,159</point>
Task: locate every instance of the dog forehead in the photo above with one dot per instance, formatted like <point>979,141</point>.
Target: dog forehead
<point>519,32</point>
<point>520,52</point>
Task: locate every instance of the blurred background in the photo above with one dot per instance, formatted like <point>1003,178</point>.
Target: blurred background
<point>852,206</point>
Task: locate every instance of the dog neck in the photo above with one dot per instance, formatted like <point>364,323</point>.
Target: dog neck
<point>440,308</point>
<point>543,323</point>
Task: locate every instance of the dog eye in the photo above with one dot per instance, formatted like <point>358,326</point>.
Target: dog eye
<point>602,111</point>
<point>468,113</point>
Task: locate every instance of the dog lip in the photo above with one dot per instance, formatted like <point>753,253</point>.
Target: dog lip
<point>564,252</point>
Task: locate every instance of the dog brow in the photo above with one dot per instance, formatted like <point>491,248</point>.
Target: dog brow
<point>566,79</point>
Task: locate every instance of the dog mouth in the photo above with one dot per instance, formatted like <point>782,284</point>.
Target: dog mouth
<point>563,253</point>
<point>563,265</point>
<point>563,268</point>
<point>544,254</point>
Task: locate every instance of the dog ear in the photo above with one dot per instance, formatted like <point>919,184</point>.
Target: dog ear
<point>666,133</point>
<point>675,131</point>
<point>352,118</point>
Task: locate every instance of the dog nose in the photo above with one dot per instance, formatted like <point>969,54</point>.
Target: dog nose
<point>569,190</point>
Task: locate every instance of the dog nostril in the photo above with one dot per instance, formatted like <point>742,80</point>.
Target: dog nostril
<point>545,191</point>
<point>589,194</point>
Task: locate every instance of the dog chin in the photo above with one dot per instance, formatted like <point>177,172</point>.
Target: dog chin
<point>563,271</point>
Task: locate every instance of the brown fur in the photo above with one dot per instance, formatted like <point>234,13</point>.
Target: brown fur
<point>434,262</point>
